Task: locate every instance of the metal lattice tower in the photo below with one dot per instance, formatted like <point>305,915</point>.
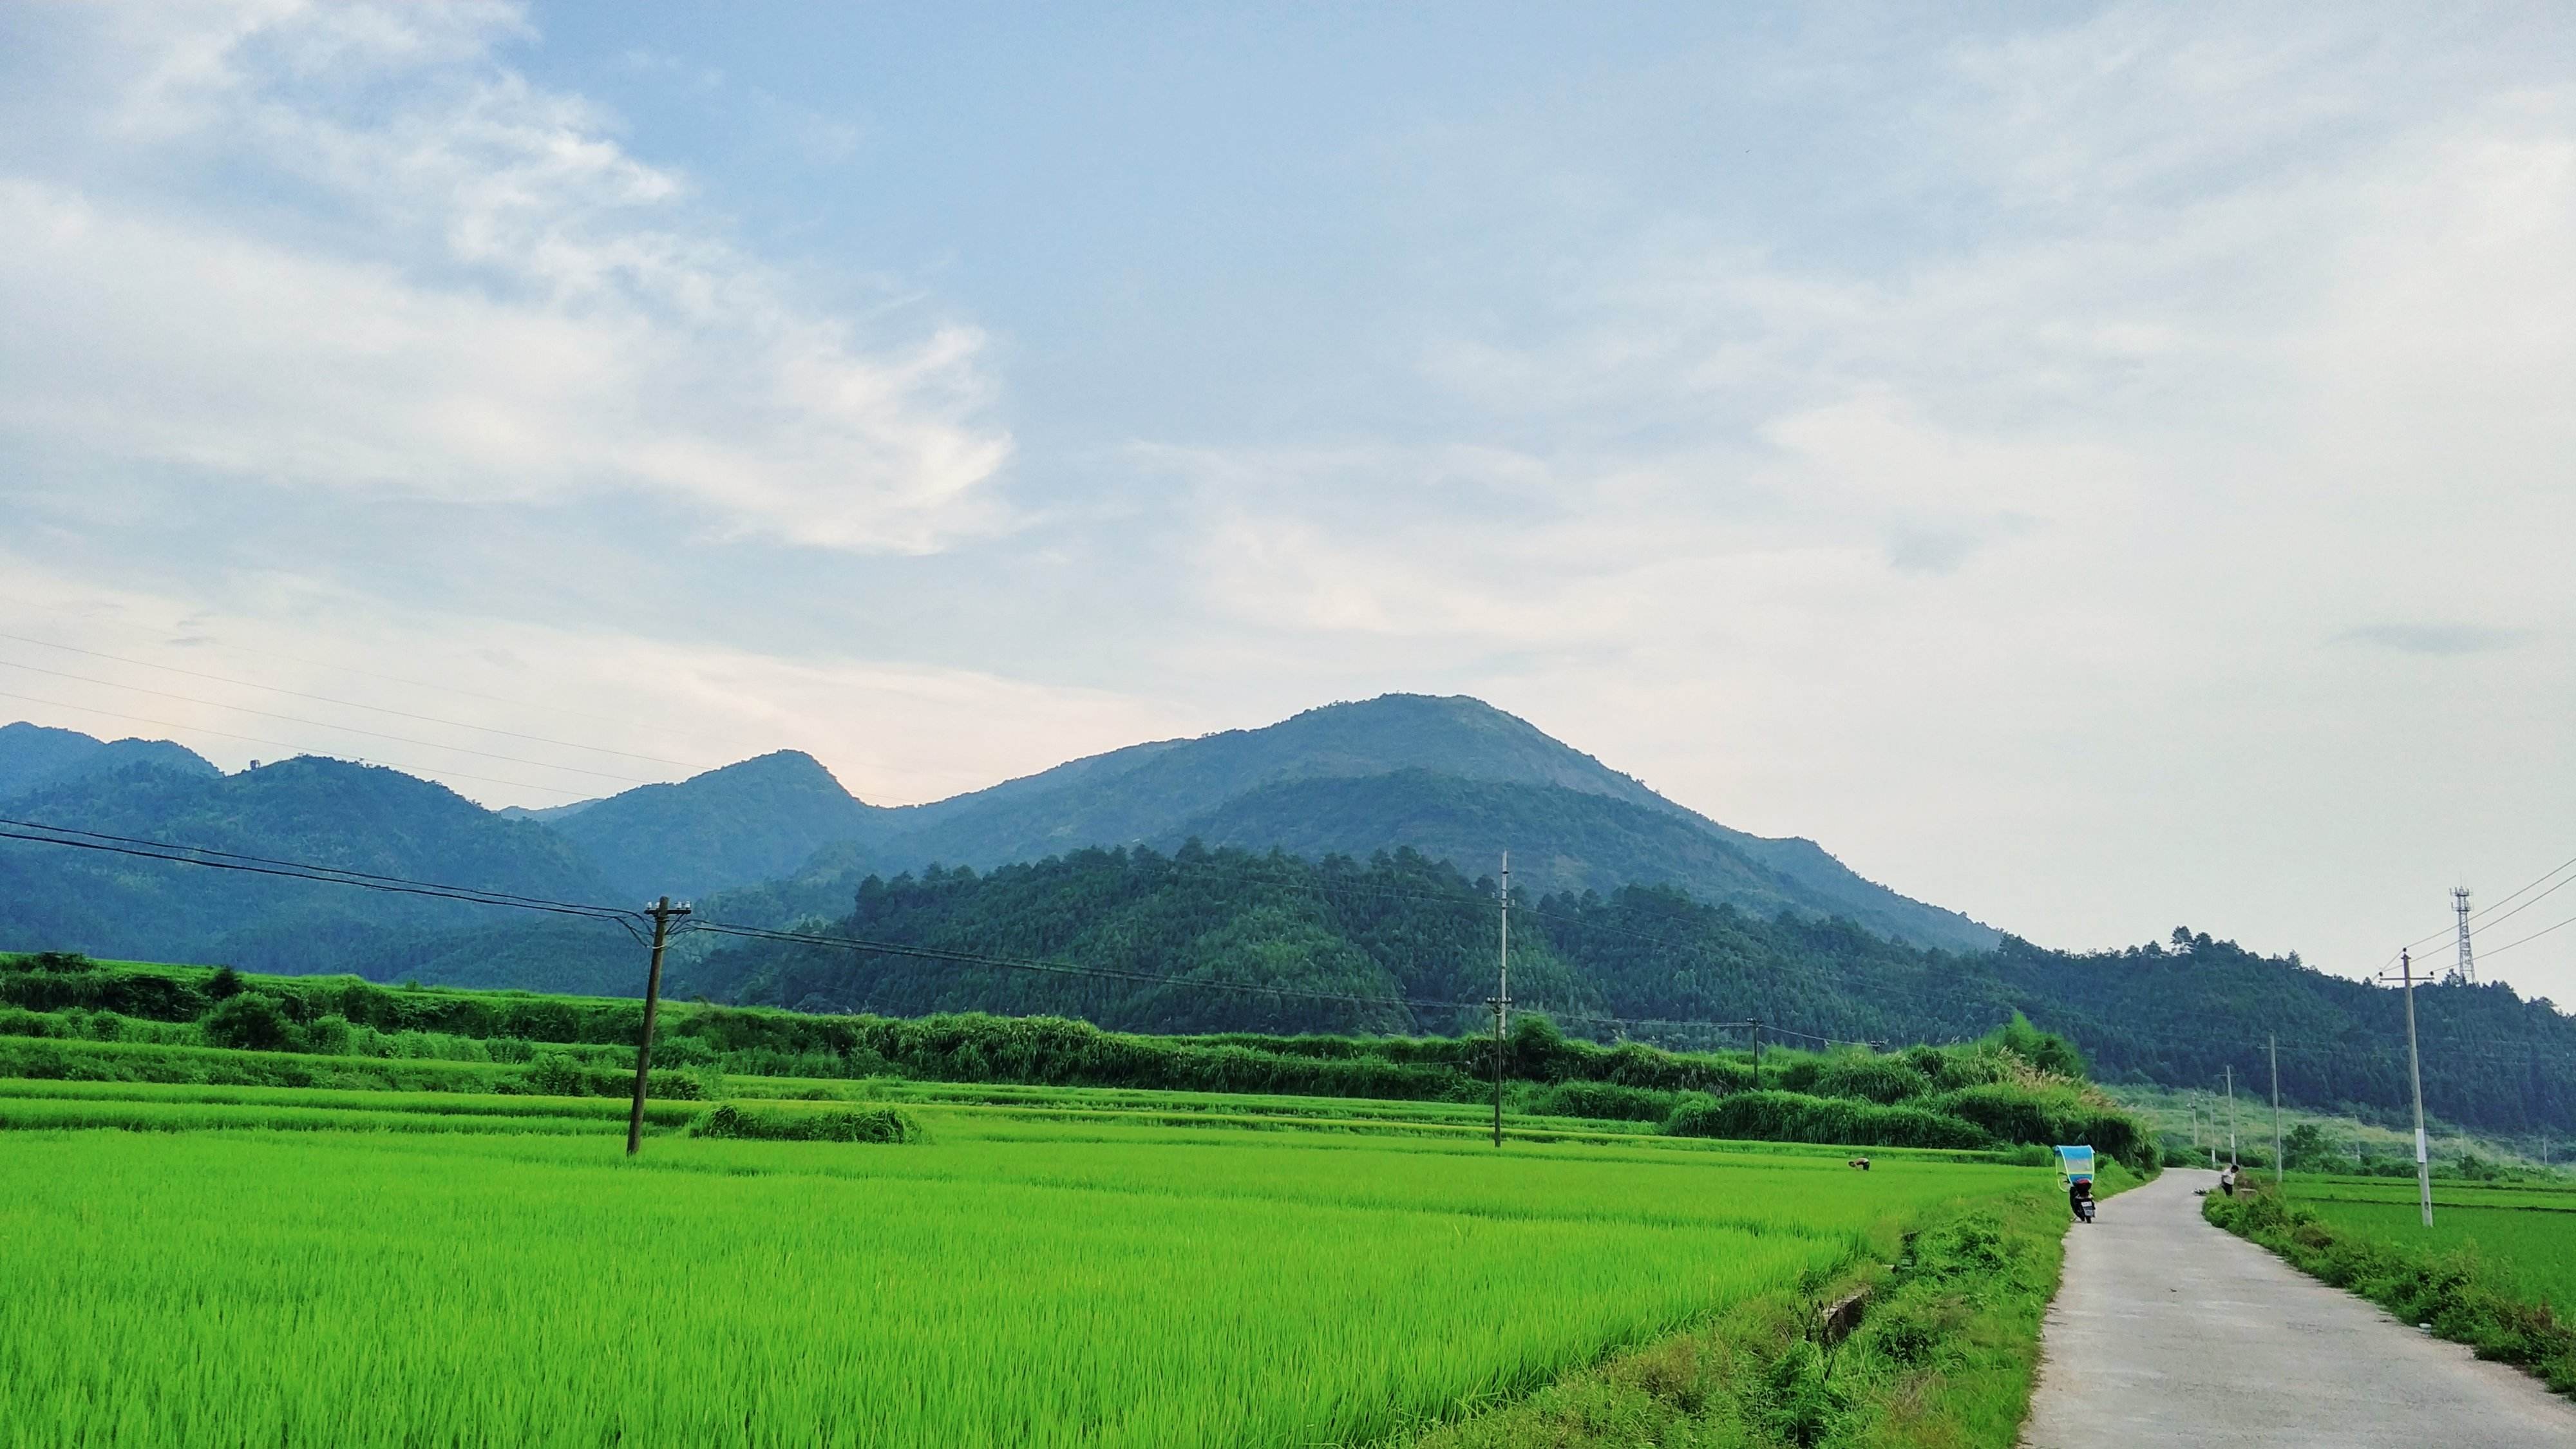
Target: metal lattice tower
<point>2467,970</point>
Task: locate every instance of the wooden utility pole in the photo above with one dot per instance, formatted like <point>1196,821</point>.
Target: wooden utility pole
<point>663,914</point>
<point>1502,996</point>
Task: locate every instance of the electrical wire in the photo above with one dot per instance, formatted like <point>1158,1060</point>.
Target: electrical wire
<point>323,875</point>
<point>2534,936</point>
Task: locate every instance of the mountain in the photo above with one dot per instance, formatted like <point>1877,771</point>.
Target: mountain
<point>34,757</point>
<point>1452,777</point>
<point>355,817</point>
<point>747,822</point>
<point>1582,842</point>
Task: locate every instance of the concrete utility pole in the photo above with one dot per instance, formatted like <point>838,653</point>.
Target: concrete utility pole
<point>2468,968</point>
<point>2275,1042</point>
<point>663,914</point>
<point>1502,996</point>
<point>2231,1114</point>
<point>2415,1075</point>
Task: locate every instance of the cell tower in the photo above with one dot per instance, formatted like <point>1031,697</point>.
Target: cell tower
<point>2467,970</point>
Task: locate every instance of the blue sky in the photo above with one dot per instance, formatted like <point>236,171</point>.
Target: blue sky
<point>2100,468</point>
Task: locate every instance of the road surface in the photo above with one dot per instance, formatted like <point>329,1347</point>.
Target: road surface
<point>2168,1331</point>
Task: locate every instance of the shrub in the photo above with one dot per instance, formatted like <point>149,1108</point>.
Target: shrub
<point>248,1021</point>
<point>1601,1101</point>
<point>554,1075</point>
<point>851,1124</point>
<point>1871,1078</point>
<point>2052,1114</point>
<point>1794,1117</point>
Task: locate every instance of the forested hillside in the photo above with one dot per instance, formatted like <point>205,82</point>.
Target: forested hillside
<point>356,817</point>
<point>33,757</point>
<point>1453,778</point>
<point>1414,941</point>
<point>747,822</point>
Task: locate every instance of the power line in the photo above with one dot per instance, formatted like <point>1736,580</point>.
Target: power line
<point>2544,876</point>
<point>344,703</point>
<point>2534,936</point>
<point>317,874</point>
<point>2491,905</point>
<point>326,725</point>
<point>316,869</point>
<point>2526,905</point>
<point>262,740</point>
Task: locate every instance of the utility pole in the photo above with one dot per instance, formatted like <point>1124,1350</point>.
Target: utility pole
<point>2231,1114</point>
<point>663,914</point>
<point>2415,1075</point>
<point>2467,970</point>
<point>2274,1040</point>
<point>1756,1025</point>
<point>1502,996</point>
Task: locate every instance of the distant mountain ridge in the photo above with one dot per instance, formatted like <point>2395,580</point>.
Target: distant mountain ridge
<point>327,812</point>
<point>1451,777</point>
<point>34,757</point>
<point>745,823</point>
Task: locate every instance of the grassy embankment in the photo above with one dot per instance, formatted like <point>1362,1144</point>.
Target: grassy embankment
<point>2497,1271</point>
<point>69,1018</point>
<point>1944,1353</point>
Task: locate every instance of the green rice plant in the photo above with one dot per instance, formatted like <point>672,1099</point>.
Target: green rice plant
<point>1105,1286</point>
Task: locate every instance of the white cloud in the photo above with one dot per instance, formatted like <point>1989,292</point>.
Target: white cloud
<point>477,293</point>
<point>2007,566</point>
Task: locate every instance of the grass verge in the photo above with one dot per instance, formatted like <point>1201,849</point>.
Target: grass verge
<point>2456,1291</point>
<point>1945,1354</point>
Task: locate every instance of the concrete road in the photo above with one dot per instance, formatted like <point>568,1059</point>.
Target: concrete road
<point>2168,1331</point>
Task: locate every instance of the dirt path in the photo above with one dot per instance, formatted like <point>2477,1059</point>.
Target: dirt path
<point>2168,1331</point>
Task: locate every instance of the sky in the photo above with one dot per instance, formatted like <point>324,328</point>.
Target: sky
<point>2100,468</point>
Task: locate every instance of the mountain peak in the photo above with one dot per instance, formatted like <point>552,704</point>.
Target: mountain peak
<point>752,820</point>
<point>37,757</point>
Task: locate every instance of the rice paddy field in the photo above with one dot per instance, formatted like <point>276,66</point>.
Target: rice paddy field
<point>2525,1232</point>
<point>303,1266</point>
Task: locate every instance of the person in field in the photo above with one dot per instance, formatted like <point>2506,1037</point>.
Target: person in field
<point>2227,1180</point>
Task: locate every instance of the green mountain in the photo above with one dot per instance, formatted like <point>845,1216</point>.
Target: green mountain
<point>1576,841</point>
<point>328,812</point>
<point>34,757</point>
<point>1451,777</point>
<point>747,822</point>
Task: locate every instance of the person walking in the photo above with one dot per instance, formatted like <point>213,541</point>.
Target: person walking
<point>2227,1180</point>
